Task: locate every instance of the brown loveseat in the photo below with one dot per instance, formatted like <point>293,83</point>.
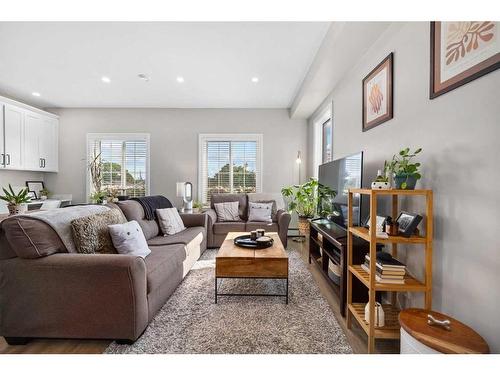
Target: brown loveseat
<point>217,231</point>
<point>47,292</point>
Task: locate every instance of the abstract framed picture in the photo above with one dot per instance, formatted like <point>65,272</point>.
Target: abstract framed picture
<point>462,52</point>
<point>377,94</point>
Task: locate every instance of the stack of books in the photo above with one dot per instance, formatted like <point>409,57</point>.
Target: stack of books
<point>388,269</point>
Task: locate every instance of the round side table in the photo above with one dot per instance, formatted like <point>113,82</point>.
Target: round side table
<point>417,336</point>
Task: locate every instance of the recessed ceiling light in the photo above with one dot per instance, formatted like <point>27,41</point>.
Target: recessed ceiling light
<point>180,79</point>
<point>143,76</point>
<point>35,94</point>
<point>255,79</point>
<point>105,79</point>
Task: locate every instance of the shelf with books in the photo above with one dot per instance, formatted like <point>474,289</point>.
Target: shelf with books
<point>386,267</point>
<point>410,284</point>
<point>364,233</point>
<point>390,330</point>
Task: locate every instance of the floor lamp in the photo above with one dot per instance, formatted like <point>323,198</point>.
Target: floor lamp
<point>299,238</point>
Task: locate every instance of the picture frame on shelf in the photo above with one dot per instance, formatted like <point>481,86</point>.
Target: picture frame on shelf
<point>36,187</point>
<point>32,195</point>
<point>462,52</point>
<point>378,100</point>
<point>407,223</point>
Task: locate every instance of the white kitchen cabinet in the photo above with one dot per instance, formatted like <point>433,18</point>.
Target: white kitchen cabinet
<point>13,118</point>
<point>28,138</point>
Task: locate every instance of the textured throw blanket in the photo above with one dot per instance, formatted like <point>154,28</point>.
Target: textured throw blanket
<point>152,203</point>
<point>60,220</point>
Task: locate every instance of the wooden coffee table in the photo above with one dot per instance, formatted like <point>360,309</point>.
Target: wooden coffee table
<point>234,262</point>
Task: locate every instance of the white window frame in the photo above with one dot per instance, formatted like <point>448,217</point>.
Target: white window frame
<point>225,137</point>
<point>324,114</point>
<point>92,137</point>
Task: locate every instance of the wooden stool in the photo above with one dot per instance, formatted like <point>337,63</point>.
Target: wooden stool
<point>417,336</point>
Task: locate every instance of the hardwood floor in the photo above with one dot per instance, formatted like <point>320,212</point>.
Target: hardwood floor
<point>356,336</point>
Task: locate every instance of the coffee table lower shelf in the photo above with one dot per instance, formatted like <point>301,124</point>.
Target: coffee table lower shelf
<point>217,294</point>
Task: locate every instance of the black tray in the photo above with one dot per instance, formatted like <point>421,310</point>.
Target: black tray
<point>246,241</point>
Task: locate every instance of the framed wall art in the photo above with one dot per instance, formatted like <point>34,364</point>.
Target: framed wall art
<point>462,52</point>
<point>377,94</point>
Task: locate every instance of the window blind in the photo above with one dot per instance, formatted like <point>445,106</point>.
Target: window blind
<point>230,166</point>
<point>124,164</point>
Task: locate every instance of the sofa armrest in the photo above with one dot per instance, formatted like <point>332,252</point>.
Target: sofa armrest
<point>283,218</point>
<point>74,296</point>
<point>194,220</point>
<point>211,220</point>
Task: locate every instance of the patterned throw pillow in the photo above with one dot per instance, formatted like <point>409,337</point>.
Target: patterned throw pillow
<point>227,211</point>
<point>91,234</point>
<point>274,209</point>
<point>170,221</point>
<point>129,239</point>
<point>260,212</point>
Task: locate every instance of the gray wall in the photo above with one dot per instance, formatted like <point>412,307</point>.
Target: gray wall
<point>174,143</point>
<point>460,134</point>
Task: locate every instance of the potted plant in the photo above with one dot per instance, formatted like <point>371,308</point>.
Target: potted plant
<point>44,193</point>
<point>304,200</point>
<point>406,174</point>
<point>112,195</point>
<point>15,202</point>
<point>197,206</point>
<point>98,197</point>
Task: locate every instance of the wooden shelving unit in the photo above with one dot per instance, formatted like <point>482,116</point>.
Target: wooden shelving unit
<point>357,310</point>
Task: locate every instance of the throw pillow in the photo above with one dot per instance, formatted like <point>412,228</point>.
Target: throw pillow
<point>260,212</point>
<point>274,209</point>
<point>170,221</point>
<point>227,211</point>
<point>129,239</point>
<point>91,234</point>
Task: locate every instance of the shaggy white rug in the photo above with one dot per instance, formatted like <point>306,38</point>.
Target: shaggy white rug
<point>190,321</point>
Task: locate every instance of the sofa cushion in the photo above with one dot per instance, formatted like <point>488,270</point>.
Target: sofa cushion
<point>224,228</point>
<point>162,263</point>
<point>91,233</point>
<point>260,212</point>
<point>31,237</point>
<point>170,221</point>
<point>128,239</point>
<point>184,237</point>
<point>242,199</point>
<point>254,225</point>
<point>134,211</point>
<point>227,211</point>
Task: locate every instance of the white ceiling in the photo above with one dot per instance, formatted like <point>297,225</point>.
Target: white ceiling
<point>64,62</point>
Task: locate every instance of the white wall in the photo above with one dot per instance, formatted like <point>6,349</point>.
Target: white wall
<point>460,134</point>
<point>174,143</point>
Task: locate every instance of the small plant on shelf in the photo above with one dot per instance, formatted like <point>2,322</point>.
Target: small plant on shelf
<point>44,193</point>
<point>406,174</point>
<point>304,200</point>
<point>15,201</point>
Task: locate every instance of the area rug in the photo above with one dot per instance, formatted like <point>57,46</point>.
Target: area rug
<point>190,321</point>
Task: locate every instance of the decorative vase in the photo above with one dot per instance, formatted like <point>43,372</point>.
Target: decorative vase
<point>380,185</point>
<point>379,314</point>
<point>15,209</point>
<point>410,180</point>
<point>304,226</point>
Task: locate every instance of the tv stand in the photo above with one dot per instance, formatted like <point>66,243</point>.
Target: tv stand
<point>328,243</point>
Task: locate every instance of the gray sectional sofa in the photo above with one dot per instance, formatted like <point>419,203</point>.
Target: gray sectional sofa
<point>47,292</point>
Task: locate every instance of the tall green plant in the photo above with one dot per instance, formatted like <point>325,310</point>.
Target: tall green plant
<point>13,198</point>
<point>304,199</point>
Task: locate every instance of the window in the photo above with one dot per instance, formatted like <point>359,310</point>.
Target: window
<point>229,163</point>
<point>327,140</point>
<point>125,163</point>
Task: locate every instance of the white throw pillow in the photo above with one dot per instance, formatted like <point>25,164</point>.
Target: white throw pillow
<point>227,211</point>
<point>260,212</point>
<point>129,239</point>
<point>170,221</point>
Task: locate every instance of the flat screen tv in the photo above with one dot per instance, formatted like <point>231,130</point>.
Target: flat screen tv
<point>341,175</point>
